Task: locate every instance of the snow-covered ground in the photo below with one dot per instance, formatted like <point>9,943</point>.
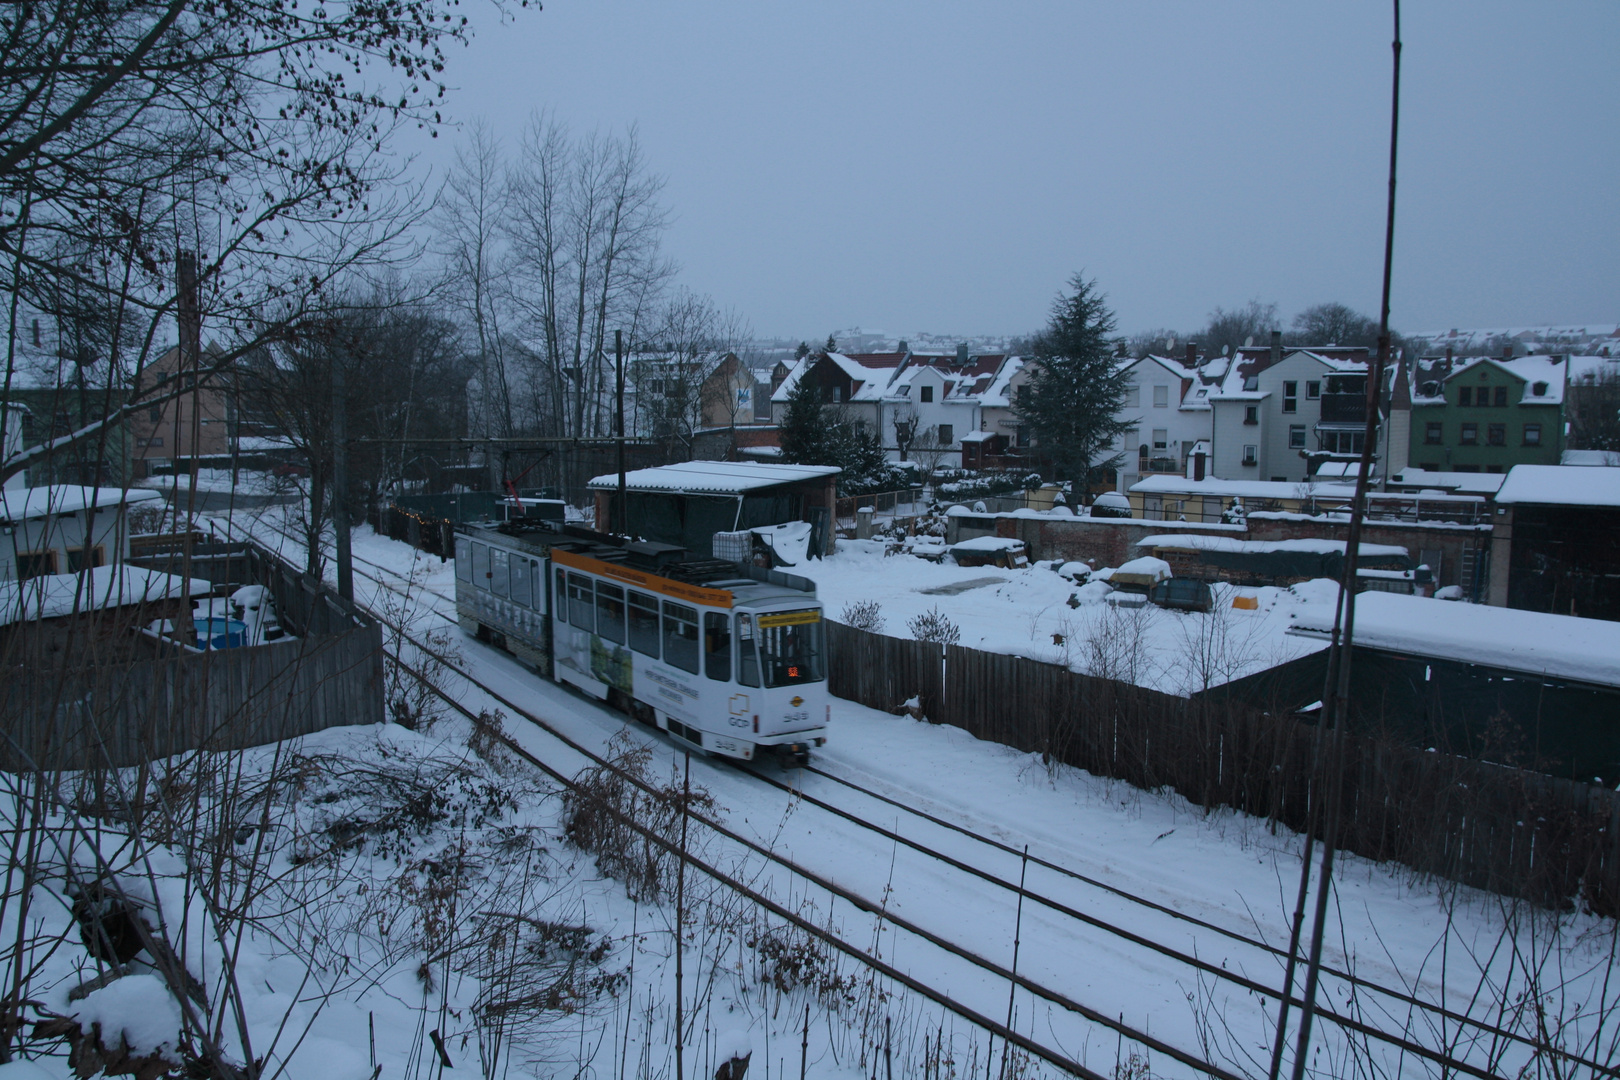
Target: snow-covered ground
<point>249,482</point>
<point>1223,868</point>
<point>1036,612</point>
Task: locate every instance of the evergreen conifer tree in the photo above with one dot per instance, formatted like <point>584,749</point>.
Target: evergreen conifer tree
<point>804,431</point>
<point>1072,401</point>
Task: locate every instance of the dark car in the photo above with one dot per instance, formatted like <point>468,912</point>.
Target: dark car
<point>1183,594</point>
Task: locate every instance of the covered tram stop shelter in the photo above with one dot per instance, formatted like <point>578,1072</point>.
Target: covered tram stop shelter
<point>688,503</point>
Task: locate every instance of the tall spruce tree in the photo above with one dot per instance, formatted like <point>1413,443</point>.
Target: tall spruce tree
<point>804,430</point>
<point>1076,389</point>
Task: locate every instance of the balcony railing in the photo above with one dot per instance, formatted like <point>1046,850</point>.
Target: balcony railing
<point>1344,408</point>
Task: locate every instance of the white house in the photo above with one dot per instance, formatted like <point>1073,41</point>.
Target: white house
<point>11,417</point>
<point>1167,406</point>
<point>1271,410</point>
<point>64,529</point>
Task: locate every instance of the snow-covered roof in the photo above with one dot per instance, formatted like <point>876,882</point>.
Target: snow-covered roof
<point>22,504</point>
<point>988,543</point>
<point>1254,364</point>
<point>889,377</point>
<point>1561,646</point>
<point>1471,483</point>
<point>713,477</point>
<point>1560,485</point>
<point>1482,337</point>
<point>1202,542</point>
<point>1247,489</point>
<point>998,395</point>
<point>976,436</point>
<point>54,595</point>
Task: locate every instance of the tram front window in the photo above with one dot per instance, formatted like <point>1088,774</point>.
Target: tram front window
<point>791,647</point>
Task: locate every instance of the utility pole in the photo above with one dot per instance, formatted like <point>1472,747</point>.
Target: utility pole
<point>340,481</point>
<point>619,509</point>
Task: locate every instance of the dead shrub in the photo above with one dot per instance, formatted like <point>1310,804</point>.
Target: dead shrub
<point>607,803</point>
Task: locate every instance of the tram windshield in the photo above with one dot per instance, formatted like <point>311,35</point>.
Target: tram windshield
<point>791,647</point>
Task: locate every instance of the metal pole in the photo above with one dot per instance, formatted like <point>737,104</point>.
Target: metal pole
<point>680,916</point>
<point>620,517</point>
<point>340,482</point>
<point>1018,933</point>
<point>1337,705</point>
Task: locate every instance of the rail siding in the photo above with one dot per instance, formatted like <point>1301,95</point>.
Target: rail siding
<point>1510,831</point>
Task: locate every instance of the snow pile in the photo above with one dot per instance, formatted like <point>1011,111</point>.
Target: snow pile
<point>989,543</point>
<point>136,1009</point>
<point>1145,566</point>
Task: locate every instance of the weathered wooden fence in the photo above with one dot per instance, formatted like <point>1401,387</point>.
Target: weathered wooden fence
<point>1512,831</point>
<point>120,714</point>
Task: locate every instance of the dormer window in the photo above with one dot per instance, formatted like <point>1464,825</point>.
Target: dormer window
<point>1251,383</point>
<point>925,394</point>
<point>1538,389</point>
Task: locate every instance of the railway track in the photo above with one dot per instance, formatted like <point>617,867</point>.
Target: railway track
<point>1479,1031</point>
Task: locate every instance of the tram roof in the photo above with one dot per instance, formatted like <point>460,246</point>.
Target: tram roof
<point>714,477</point>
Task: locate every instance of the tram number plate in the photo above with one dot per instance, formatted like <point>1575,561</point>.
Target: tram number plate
<point>797,717</point>
<point>727,745</point>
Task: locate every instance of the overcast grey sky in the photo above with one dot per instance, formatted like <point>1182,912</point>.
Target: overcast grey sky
<point>946,166</point>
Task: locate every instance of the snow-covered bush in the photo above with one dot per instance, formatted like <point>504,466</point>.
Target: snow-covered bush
<point>863,615</point>
<point>932,625</point>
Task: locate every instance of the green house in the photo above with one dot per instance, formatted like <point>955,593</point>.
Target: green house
<point>1489,414</point>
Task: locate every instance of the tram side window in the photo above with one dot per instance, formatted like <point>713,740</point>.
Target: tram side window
<point>497,571</point>
<point>681,637</point>
<point>747,653</point>
<point>520,580</point>
<point>610,611</point>
<point>480,562</point>
<point>580,611</point>
<point>561,594</point>
<point>463,558</point>
<point>644,624</point>
<point>537,578</point>
<point>717,645</point>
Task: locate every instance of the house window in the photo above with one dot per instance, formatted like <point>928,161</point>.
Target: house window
<point>947,434</point>
<point>1161,438</point>
<point>1532,434</point>
<point>1496,434</point>
<point>838,393</point>
<point>32,564</point>
<point>1251,414</point>
<point>1470,434</point>
<point>1290,397</point>
<point>1431,433</point>
<point>1493,468</point>
<point>1465,395</point>
<point>156,441</point>
<point>1133,397</point>
<point>1161,397</point>
<point>1296,436</point>
<point>76,558</point>
<point>1313,390</point>
<point>155,414</point>
<point>1539,389</point>
<point>1249,457</point>
<point>1022,438</point>
<point>925,394</point>
<point>1501,397</point>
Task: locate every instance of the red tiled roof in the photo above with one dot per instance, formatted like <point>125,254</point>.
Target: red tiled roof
<point>878,359</point>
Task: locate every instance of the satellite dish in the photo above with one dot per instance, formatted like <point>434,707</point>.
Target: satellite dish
<point>1226,350</point>
<point>1248,342</point>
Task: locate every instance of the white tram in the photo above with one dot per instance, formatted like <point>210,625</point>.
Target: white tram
<point>727,658</point>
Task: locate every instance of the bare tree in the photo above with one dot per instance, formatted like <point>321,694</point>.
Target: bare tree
<point>133,130</point>
<point>585,229</point>
<point>1230,330</point>
<point>1594,407</point>
<point>1334,324</point>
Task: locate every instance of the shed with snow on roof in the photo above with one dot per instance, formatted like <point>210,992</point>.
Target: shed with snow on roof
<point>63,529</point>
<point>1523,689</point>
<point>1555,541</point>
<point>687,503</point>
<point>1279,562</point>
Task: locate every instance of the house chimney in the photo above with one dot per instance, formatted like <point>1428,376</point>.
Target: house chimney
<point>1507,351</point>
<point>1192,354</point>
<point>961,353</point>
<point>1448,354</point>
<point>1276,346</point>
<point>186,308</point>
<point>1198,466</point>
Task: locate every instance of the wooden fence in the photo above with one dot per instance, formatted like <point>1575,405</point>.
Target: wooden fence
<point>117,715</point>
<point>1511,831</point>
